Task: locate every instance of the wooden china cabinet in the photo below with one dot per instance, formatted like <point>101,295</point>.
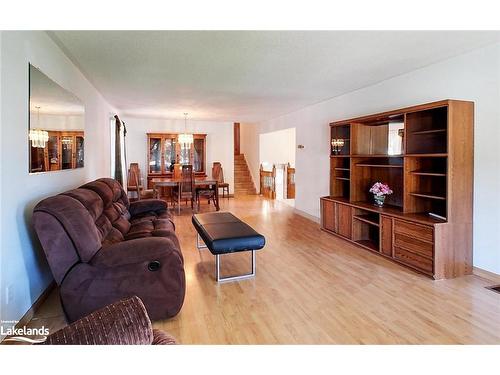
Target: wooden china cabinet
<point>425,154</point>
<point>64,150</point>
<point>164,151</point>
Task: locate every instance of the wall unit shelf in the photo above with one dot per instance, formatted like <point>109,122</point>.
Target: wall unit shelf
<point>424,153</point>
<point>379,165</point>
<point>432,131</point>
<point>428,173</point>
<point>369,218</point>
<point>429,196</point>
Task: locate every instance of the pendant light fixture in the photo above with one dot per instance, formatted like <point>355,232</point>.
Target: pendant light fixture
<point>38,137</point>
<point>185,139</point>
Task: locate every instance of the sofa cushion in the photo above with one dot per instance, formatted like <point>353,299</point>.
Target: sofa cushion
<point>150,224</point>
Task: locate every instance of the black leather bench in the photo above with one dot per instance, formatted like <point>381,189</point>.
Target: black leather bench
<point>224,233</point>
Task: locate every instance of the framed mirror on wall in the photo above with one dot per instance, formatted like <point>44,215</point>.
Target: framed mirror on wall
<point>56,137</point>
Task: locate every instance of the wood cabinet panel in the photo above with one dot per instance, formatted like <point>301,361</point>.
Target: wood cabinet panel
<point>422,263</point>
<point>344,214</point>
<point>414,245</point>
<point>422,232</point>
<point>328,215</point>
<point>386,235</point>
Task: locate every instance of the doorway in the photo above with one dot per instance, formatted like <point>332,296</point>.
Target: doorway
<point>277,152</point>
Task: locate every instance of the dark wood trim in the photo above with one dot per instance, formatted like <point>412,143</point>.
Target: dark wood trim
<point>236,132</point>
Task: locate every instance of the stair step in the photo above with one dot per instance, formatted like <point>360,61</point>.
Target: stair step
<point>243,182</point>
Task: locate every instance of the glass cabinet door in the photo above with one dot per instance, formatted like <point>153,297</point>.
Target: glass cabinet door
<point>169,153</point>
<point>53,152</point>
<point>67,152</point>
<point>155,155</point>
<point>37,160</point>
<point>185,155</point>
<point>79,155</point>
<point>199,155</point>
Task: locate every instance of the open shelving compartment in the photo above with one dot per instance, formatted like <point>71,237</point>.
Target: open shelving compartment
<point>365,228</point>
<point>426,185</point>
<point>340,171</point>
<point>340,140</point>
<point>368,170</point>
<point>427,131</point>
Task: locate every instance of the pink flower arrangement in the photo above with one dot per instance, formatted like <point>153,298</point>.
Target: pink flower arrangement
<point>380,189</point>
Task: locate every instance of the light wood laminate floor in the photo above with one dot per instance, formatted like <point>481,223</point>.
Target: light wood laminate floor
<point>312,288</point>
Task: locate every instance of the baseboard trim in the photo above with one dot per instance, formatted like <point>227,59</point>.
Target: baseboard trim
<point>34,308</point>
<point>488,275</point>
<point>307,216</point>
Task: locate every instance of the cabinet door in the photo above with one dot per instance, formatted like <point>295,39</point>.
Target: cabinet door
<point>386,235</point>
<point>79,151</point>
<point>53,151</point>
<point>199,155</point>
<point>67,149</point>
<point>169,153</point>
<point>344,220</point>
<point>154,155</point>
<point>328,215</point>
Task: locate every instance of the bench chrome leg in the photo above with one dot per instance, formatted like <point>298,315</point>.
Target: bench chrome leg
<point>199,245</point>
<point>233,278</point>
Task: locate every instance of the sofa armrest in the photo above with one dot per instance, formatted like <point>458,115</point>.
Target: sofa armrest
<point>147,205</point>
<point>147,249</point>
<point>125,322</point>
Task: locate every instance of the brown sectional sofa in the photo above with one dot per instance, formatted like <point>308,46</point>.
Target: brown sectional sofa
<point>101,248</point>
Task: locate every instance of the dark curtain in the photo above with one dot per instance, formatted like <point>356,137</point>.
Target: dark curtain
<point>118,152</point>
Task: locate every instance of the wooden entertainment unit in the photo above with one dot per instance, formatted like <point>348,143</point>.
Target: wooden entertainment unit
<point>425,154</point>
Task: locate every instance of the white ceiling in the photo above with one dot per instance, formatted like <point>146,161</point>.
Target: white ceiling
<point>248,76</point>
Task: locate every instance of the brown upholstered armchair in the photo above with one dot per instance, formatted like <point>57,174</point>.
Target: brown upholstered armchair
<point>125,322</point>
<point>101,248</point>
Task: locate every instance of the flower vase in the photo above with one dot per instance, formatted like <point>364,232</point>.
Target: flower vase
<point>379,200</point>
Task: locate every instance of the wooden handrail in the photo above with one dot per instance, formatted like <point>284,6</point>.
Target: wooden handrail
<point>268,182</point>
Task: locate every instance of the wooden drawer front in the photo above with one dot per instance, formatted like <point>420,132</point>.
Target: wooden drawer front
<point>413,259</point>
<point>414,245</point>
<point>344,216</point>
<point>414,230</point>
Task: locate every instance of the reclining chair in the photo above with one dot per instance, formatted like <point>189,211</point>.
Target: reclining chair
<point>125,322</point>
<point>101,249</point>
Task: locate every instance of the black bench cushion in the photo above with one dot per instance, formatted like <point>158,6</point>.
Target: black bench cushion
<point>224,233</point>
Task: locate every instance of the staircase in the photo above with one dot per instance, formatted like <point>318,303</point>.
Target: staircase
<point>243,183</point>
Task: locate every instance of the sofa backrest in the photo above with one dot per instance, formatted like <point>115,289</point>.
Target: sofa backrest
<point>74,225</point>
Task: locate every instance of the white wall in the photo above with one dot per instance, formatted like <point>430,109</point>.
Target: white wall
<point>24,268</point>
<point>57,122</point>
<point>473,76</point>
<point>277,147</point>
<point>219,141</point>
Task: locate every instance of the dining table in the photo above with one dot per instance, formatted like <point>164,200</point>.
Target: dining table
<point>199,181</point>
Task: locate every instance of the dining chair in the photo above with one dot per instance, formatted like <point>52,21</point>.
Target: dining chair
<point>134,183</point>
<point>186,188</point>
<point>218,174</point>
<point>208,192</point>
